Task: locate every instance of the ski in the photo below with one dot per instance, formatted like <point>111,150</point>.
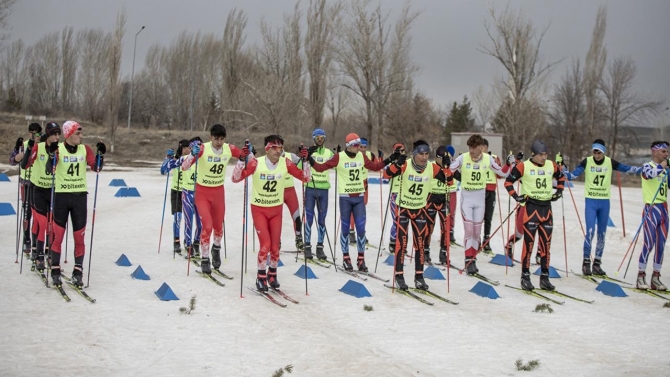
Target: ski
<point>374,276</point>
<point>267,297</point>
<point>60,290</point>
<point>410,294</point>
<point>42,276</point>
<point>456,244</point>
<point>561,294</point>
<point>284,295</point>
<point>354,274</point>
<point>218,272</point>
<point>607,277</point>
<point>434,295</point>
<point>81,292</point>
<point>536,294</point>
<point>441,267</point>
<point>477,276</point>
<point>210,277</point>
<point>585,277</point>
<point>648,292</point>
<point>312,261</point>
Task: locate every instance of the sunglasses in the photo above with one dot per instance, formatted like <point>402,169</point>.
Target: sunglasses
<point>320,138</point>
<point>597,152</point>
<point>277,148</point>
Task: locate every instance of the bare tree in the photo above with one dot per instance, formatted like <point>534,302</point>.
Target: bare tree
<point>15,78</point>
<point>322,22</point>
<point>45,72</point>
<point>114,61</point>
<point>338,102</point>
<point>5,12</point>
<point>624,106</point>
<point>567,116</point>
<point>92,82</point>
<point>593,71</point>
<point>69,58</point>
<point>232,64</point>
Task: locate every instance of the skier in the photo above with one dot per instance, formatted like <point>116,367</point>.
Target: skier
<point>292,203</point>
<point>655,196</point>
<point>398,149</point>
<point>267,173</point>
<point>191,243</point>
<point>170,163</point>
<point>518,218</point>
<point>490,197</point>
<point>212,158</point>
<point>35,159</point>
<point>473,167</point>
<point>349,163</point>
<point>598,170</point>
<point>537,174</point>
<point>70,198</point>
<point>415,179</point>
<point>317,190</point>
<point>441,201</point>
<point>363,148</point>
<point>25,187</point>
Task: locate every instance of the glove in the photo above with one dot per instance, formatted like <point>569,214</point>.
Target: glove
<point>19,143</point>
<point>519,156</point>
<point>510,159</point>
<point>244,152</point>
<point>253,150</point>
<point>446,160</point>
<point>559,159</point>
<point>380,154</point>
<point>557,195</point>
<point>101,147</point>
<point>401,160</point>
<point>311,150</point>
<point>303,153</point>
<point>31,142</point>
<point>170,153</point>
<point>394,156</point>
<point>338,149</point>
<point>53,147</point>
<point>520,199</point>
<point>195,147</point>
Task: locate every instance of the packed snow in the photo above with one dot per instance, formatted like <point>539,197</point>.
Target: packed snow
<point>130,332</point>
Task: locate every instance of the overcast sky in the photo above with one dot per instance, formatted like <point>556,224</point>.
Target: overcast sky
<point>445,36</point>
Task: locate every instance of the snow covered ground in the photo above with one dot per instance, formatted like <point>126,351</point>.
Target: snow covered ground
<point>129,332</point>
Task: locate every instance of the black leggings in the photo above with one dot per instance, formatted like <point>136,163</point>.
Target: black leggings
<point>74,206</point>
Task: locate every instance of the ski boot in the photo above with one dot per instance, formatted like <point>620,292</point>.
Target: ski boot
<point>586,267</point>
<point>526,285</point>
<point>426,257</point>
<point>216,256</point>
<point>33,254</point>
<point>272,278</point>
<point>545,284</point>
<point>360,263</point>
<point>262,281</point>
<point>39,262</point>
<point>443,257</point>
<point>319,252</point>
<point>27,247</point>
<point>195,250</point>
<point>642,280</point>
<point>599,271</point>
<point>346,263</point>
<point>400,282</point>
<point>471,266</point>
<point>392,247</point>
<point>299,245</point>
<point>177,246</point>
<point>78,276</point>
<point>352,237</point>
<point>419,283</point>
<point>452,239</point>
<point>55,276</point>
<point>487,247</point>
<point>308,251</point>
<point>205,267</point>
<point>656,282</point>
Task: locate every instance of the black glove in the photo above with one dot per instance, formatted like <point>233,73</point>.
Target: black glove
<point>253,150</point>
<point>520,199</point>
<point>401,160</point>
<point>53,147</point>
<point>31,142</point>
<point>338,149</point>
<point>19,143</point>
<point>519,156</point>
<point>311,150</point>
<point>380,154</point>
<point>101,148</point>
<point>557,195</point>
<point>446,160</point>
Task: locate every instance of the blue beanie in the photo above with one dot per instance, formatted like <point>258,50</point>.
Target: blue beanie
<point>318,132</point>
<point>451,150</point>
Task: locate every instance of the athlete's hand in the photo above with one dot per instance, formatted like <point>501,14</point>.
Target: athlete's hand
<point>401,160</point>
<point>253,151</point>
<point>101,147</point>
<point>195,147</point>
<point>519,156</point>
<point>520,199</point>
<point>53,147</point>
<point>557,195</point>
<point>380,154</point>
<point>31,142</point>
<point>311,150</point>
<point>338,149</point>
<point>170,153</point>
<point>511,159</point>
<point>559,159</point>
<point>19,143</point>
<point>304,153</point>
<point>446,160</point>
<point>244,152</point>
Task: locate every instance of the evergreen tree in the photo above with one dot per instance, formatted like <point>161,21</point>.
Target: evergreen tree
<point>459,119</point>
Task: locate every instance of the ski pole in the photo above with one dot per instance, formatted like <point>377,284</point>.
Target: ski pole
<point>388,203</point>
<point>644,218</point>
<point>336,205</point>
<point>95,202</point>
<point>160,237</point>
<point>225,249</point>
<point>487,241</point>
<point>318,208</point>
<point>244,222</point>
<point>26,223</point>
<point>623,221</point>
<point>195,191</point>
<point>396,256</point>
<point>50,235</point>
<point>19,215</point>
<point>576,211</point>
<point>565,242</point>
<point>66,234</point>
<point>509,207</point>
<point>304,219</point>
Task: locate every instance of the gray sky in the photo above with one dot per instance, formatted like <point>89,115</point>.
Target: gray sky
<point>445,36</point>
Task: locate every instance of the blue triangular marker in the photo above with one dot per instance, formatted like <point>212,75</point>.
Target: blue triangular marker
<point>123,261</point>
<point>355,289</point>
<point>433,273</point>
<point>140,274</point>
<point>165,293</point>
<point>611,289</point>
<point>4,177</point>
<point>6,209</point>
<point>553,274</point>
<point>484,290</point>
<point>390,260</point>
<point>301,273</point>
<point>501,260</point>
<point>280,264</point>
<point>610,223</point>
<point>118,183</point>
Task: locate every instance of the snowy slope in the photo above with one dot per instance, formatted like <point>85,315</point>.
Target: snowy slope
<point>130,332</point>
